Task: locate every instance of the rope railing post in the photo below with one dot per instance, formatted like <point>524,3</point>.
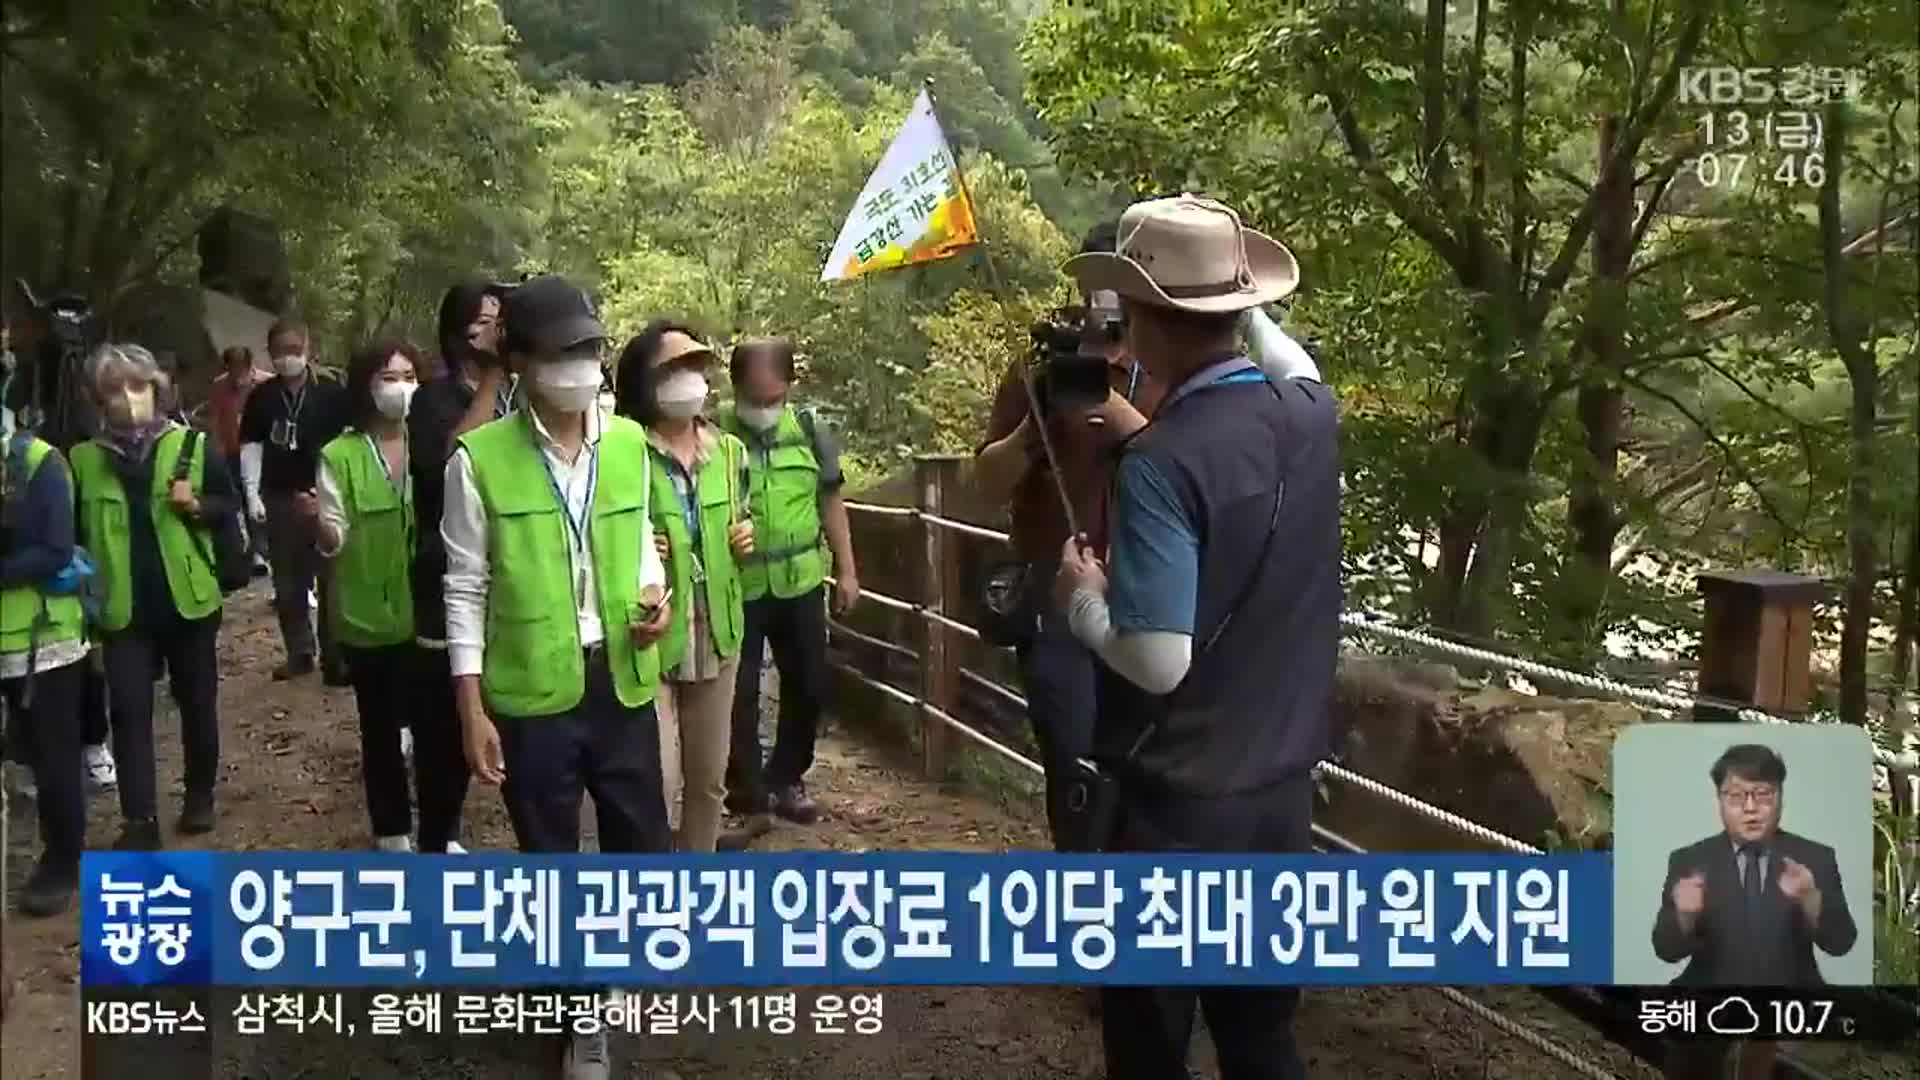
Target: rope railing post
<point>1756,641</point>
<point>935,475</point>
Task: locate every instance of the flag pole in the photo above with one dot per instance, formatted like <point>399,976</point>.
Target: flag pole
<point>999,286</point>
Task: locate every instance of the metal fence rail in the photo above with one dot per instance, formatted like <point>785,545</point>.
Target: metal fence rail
<point>1375,624</point>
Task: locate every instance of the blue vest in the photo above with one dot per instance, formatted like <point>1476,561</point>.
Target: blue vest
<point>1254,709</point>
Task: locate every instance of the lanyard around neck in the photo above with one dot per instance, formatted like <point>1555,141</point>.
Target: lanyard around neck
<point>577,526</point>
<point>386,467</point>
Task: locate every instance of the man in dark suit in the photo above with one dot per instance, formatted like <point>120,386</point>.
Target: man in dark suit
<point>1745,907</point>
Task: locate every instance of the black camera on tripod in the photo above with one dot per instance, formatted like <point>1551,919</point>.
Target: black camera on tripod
<point>1069,348</point>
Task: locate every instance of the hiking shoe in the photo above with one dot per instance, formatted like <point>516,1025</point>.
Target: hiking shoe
<point>792,802</point>
<point>587,1058</point>
<point>395,845</point>
<point>101,773</point>
<point>454,848</point>
<point>741,835</point>
<point>294,668</point>
<point>49,890</point>
<point>139,834</point>
<point>196,813</point>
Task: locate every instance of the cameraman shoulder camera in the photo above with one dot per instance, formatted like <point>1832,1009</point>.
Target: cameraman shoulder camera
<point>1082,385</point>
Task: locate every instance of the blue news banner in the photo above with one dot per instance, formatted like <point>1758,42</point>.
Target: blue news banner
<point>339,920</point>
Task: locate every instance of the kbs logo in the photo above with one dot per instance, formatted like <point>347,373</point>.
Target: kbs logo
<point>1767,85</point>
<point>142,1018</point>
<point>121,1017</point>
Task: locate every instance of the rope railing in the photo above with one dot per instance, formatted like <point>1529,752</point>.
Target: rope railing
<point>1380,625</point>
<point>1375,624</point>
<point>1445,817</point>
<point>1325,836</point>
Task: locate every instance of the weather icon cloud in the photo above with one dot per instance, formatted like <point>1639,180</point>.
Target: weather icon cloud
<point>1734,1016</point>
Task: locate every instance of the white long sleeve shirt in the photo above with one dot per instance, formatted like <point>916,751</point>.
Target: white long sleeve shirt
<point>333,509</point>
<point>463,527</point>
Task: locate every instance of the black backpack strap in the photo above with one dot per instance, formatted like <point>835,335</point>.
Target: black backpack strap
<point>183,465</point>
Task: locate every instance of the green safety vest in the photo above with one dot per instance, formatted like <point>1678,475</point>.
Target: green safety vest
<point>29,617</point>
<point>372,579</point>
<point>789,549</point>
<point>534,663</point>
<point>714,487</point>
<point>185,549</point>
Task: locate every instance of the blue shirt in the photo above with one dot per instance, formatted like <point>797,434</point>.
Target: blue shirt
<point>1153,561</point>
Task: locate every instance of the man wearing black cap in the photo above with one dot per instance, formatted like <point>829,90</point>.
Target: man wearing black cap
<point>555,600</point>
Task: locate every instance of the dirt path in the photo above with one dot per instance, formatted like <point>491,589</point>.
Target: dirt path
<point>290,758</point>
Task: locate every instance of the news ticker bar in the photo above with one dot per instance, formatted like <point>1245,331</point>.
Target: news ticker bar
<point>816,918</point>
<point>1879,1015</point>
<point>257,1013</point>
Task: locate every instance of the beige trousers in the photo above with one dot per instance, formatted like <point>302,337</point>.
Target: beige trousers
<point>696,732</point>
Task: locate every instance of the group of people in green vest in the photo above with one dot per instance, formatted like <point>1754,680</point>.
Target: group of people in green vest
<point>112,549</point>
<point>614,574</point>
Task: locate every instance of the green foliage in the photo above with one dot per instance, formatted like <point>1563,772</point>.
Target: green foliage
<point>1437,181</point>
<point>1896,911</point>
<point>381,135</point>
<point>725,197</point>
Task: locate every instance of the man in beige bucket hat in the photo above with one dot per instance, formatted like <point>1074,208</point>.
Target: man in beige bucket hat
<point>1216,612</point>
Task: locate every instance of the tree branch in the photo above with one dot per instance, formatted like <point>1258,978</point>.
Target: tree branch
<point>1664,173</point>
<point>1728,454</point>
<point>1623,152</point>
<point>1421,224</point>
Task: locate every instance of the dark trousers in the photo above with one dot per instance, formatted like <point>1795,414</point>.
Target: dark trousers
<point>1147,1030</point>
<point>383,680</point>
<point>796,630</point>
<point>599,747</point>
<point>187,648</point>
<point>297,570</point>
<point>1057,672</point>
<point>440,771</point>
<point>93,701</point>
<point>47,736</point>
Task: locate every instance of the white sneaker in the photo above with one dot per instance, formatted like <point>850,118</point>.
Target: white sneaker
<point>587,1058</point>
<point>454,848</point>
<point>398,845</point>
<point>101,773</point>
<point>406,743</point>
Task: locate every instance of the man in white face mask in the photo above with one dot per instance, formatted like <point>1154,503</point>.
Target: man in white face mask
<point>556,600</point>
<point>285,422</point>
<point>799,519</point>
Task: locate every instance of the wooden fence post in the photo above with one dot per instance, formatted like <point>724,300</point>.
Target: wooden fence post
<point>935,475</point>
<point>1756,640</point>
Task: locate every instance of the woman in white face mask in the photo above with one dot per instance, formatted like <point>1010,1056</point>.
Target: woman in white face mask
<point>145,517</point>
<point>363,522</point>
<point>701,530</point>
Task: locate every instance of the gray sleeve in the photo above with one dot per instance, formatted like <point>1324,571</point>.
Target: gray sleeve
<point>827,452</point>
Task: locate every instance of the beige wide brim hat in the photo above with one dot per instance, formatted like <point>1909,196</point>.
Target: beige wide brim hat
<point>675,345</point>
<point>1189,254</point>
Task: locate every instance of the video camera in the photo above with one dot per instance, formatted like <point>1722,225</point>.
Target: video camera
<point>52,400</point>
<point>1069,350</point>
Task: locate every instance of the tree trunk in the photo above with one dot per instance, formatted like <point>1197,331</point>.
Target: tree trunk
<point>1592,516</point>
<point>1513,436</point>
<point>1849,340</point>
